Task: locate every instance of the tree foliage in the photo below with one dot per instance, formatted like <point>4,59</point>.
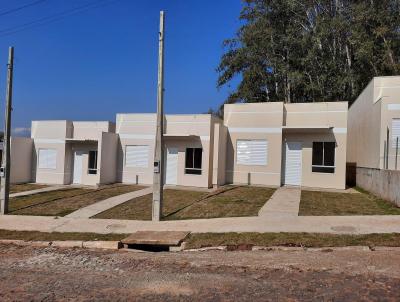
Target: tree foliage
<point>311,50</point>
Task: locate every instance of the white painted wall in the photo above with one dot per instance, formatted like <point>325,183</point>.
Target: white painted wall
<point>21,159</point>
<point>107,158</point>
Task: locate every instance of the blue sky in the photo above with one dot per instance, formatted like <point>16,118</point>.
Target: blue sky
<point>94,64</point>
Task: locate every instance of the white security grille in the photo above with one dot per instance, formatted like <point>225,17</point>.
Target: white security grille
<point>171,176</point>
<point>293,163</point>
<point>137,156</point>
<point>252,152</point>
<point>47,159</point>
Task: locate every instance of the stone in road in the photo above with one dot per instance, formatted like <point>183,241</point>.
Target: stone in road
<point>50,274</point>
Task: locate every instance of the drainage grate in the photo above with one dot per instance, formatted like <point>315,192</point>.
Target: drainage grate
<point>148,247</point>
<point>154,241</point>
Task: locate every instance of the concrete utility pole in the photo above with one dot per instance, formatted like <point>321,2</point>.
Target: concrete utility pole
<point>158,180</point>
<point>5,167</point>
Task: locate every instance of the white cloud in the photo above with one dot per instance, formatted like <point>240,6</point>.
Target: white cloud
<point>21,131</point>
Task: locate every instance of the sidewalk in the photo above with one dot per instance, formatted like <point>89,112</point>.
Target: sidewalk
<point>311,224</point>
<point>109,203</point>
<point>278,216</point>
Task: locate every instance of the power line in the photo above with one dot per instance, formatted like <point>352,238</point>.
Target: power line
<point>13,10</point>
<point>54,17</point>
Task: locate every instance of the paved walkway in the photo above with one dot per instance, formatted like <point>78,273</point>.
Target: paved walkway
<point>109,203</point>
<point>42,190</point>
<point>284,202</point>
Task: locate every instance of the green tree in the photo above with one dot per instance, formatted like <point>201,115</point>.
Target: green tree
<point>310,51</point>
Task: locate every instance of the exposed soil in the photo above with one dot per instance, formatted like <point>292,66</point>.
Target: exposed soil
<point>49,274</point>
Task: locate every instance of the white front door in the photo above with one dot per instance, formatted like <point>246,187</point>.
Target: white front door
<point>77,173</point>
<point>293,163</point>
<point>171,174</point>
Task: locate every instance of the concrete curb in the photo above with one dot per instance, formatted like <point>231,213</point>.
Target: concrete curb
<point>313,249</point>
<point>206,249</point>
<point>297,249</point>
<point>67,243</point>
<point>26,243</point>
<point>105,245</point>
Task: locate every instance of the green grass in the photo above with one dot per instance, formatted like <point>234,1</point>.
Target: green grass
<point>237,202</point>
<point>291,239</point>
<point>336,204</point>
<point>66,201</point>
<point>140,208</point>
<point>17,188</point>
<point>181,204</point>
<point>43,236</point>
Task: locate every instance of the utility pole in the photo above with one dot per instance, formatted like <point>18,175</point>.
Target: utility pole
<point>158,180</point>
<point>5,167</point>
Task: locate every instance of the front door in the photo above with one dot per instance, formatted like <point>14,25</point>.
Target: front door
<point>293,163</point>
<point>171,175</point>
<point>77,173</point>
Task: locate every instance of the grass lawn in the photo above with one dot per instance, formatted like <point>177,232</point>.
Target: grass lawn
<point>179,204</point>
<point>230,239</point>
<point>140,208</point>
<point>332,204</point>
<point>290,239</point>
<point>63,202</point>
<point>25,187</point>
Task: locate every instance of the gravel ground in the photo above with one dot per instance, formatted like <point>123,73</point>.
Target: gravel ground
<point>49,274</point>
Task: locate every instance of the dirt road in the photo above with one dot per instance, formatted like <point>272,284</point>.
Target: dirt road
<point>49,274</point>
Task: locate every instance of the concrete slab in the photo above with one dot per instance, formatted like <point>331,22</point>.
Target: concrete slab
<point>156,238</point>
<point>284,202</point>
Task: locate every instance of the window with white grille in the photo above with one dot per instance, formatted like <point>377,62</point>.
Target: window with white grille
<point>395,131</point>
<point>323,157</point>
<point>47,159</point>
<point>92,162</point>
<point>137,156</point>
<point>193,160</point>
<point>252,152</point>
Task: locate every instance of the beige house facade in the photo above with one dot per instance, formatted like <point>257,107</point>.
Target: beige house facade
<point>67,152</point>
<point>21,160</point>
<point>299,144</point>
<point>374,126</point>
<point>269,144</point>
<point>191,143</point>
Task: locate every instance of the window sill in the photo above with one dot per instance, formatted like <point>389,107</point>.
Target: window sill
<point>195,174</point>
